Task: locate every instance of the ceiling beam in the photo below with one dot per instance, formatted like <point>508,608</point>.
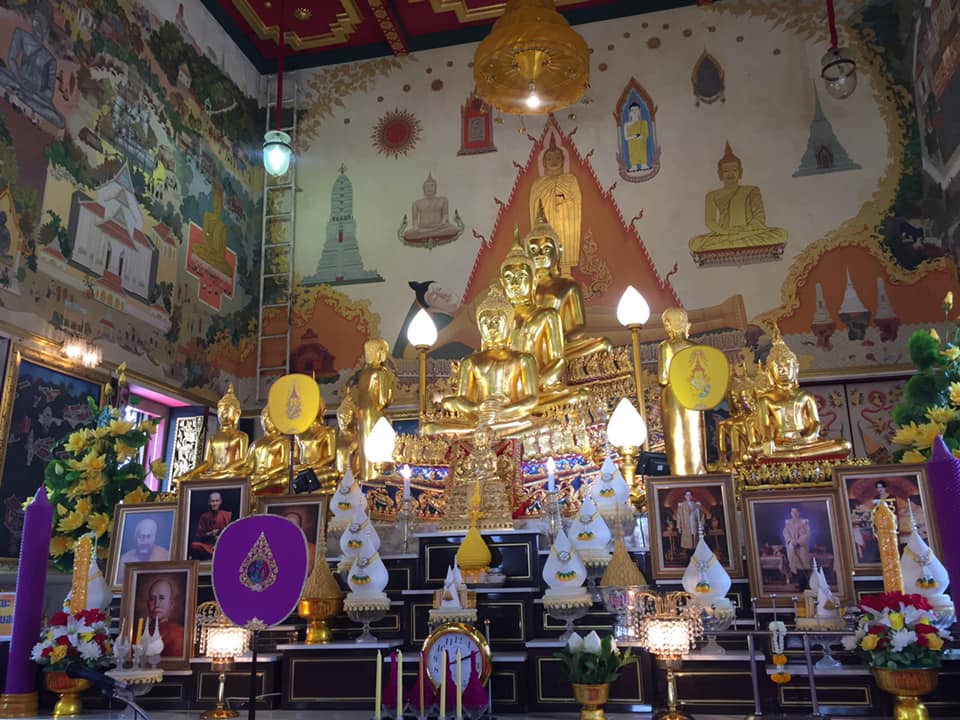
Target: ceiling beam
<point>393,31</point>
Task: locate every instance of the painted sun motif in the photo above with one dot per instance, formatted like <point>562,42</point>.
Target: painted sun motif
<point>396,133</point>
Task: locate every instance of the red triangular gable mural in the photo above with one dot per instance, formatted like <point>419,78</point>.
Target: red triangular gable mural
<point>619,246</point>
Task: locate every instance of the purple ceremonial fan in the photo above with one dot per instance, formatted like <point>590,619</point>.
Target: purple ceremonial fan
<point>259,569</point>
<point>943,475</point>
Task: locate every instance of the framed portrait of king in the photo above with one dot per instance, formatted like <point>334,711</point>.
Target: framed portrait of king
<point>206,508</point>
<point>678,507</point>
<point>44,400</point>
<point>905,486</point>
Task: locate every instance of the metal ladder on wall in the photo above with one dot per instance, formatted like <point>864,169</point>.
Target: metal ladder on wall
<point>276,255</point>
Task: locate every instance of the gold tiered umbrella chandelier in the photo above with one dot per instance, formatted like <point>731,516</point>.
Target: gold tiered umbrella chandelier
<point>533,62</point>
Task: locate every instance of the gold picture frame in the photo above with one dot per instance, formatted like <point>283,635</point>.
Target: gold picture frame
<point>907,485</point>
<point>308,511</point>
<point>196,542</point>
<point>124,539</point>
<point>779,562</point>
<point>177,603</point>
<point>673,537</point>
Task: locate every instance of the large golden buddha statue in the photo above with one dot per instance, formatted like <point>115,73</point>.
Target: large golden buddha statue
<point>735,216</point>
<point>497,385</point>
<point>374,392</point>
<point>269,458</point>
<point>559,192</point>
<point>563,294</point>
<point>226,454</point>
<point>787,419</point>
<point>682,428</point>
<point>316,449</point>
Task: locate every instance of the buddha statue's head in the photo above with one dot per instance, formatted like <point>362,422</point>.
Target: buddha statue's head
<point>553,158</point>
<point>517,273</point>
<point>543,244</point>
<point>494,318</point>
<point>228,408</point>
<point>676,323</point>
<point>375,351</point>
<point>429,186</point>
<point>729,167</point>
<point>782,365</point>
<point>345,412</point>
<point>266,422</point>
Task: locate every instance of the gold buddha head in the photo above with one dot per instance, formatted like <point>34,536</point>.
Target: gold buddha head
<point>429,186</point>
<point>494,318</point>
<point>266,422</point>
<point>517,273</point>
<point>543,244</point>
<point>375,351</point>
<point>228,408</point>
<point>729,167</point>
<point>676,323</point>
<point>553,158</point>
<point>782,364</point>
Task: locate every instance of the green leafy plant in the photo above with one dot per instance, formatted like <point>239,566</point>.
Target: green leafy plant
<point>592,661</point>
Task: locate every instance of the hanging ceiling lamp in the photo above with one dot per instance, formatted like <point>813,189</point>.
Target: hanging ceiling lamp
<point>532,62</point>
<point>837,67</point>
<point>277,150</point>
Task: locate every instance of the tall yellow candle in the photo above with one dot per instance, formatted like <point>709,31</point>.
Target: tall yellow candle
<point>443,684</point>
<point>376,701</point>
<point>139,631</point>
<point>459,686</point>
<point>399,683</point>
<point>421,678</point>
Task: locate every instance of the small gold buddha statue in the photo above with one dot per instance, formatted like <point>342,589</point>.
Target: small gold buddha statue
<point>347,444</point>
<point>556,291</point>
<point>682,428</point>
<point>316,449</point>
<point>787,419</point>
<point>496,384</point>
<point>269,458</point>
<point>738,433</point>
<point>374,393</point>
<point>226,454</point>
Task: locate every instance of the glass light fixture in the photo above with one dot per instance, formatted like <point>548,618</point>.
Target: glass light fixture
<point>226,643</point>
<point>533,100</point>
<point>222,642</point>
<point>839,72</point>
<point>379,445</point>
<point>277,152</point>
<point>626,429</point>
<point>81,352</point>
<point>632,308</point>
<point>421,332</point>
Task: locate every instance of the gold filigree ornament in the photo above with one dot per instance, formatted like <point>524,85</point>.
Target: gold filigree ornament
<point>259,568</point>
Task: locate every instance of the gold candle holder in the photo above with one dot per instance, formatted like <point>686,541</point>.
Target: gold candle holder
<point>316,611</point>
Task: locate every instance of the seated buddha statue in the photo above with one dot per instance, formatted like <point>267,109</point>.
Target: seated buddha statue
<point>734,214</point>
<point>557,291</point>
<point>269,459</point>
<point>30,74</point>
<point>316,449</point>
<point>430,219</point>
<point>787,420</point>
<point>738,433</point>
<point>226,454</point>
<point>536,330</point>
<point>497,384</point>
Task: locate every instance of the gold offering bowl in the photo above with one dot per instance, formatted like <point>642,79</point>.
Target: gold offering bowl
<point>317,611</point>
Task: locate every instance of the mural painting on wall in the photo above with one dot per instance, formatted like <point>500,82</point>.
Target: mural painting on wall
<point>735,216</point>
<point>429,223</point>
<point>476,127</point>
<point>824,153</point>
<point>396,133</point>
<point>638,155</point>
<point>136,211</point>
<point>340,262</point>
<point>707,80</point>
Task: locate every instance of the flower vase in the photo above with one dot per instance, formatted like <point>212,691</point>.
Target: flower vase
<point>69,689</point>
<point>907,686</point>
<point>592,698</point>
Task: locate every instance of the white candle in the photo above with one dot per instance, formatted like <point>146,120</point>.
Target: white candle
<point>376,702</point>
<point>406,472</point>
<point>443,684</point>
<point>399,683</point>
<point>551,475</point>
<point>459,687</point>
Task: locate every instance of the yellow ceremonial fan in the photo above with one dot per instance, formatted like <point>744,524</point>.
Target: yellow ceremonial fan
<point>294,401</point>
<point>699,376</point>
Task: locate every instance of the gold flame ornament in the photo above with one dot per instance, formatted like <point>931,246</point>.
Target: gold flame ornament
<point>885,528</point>
<point>82,557</point>
<point>294,402</point>
<point>532,62</point>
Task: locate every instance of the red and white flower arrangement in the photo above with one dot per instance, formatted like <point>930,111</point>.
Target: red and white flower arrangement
<point>897,632</point>
<point>82,636</point>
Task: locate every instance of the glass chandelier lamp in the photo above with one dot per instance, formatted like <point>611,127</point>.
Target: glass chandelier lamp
<point>837,67</point>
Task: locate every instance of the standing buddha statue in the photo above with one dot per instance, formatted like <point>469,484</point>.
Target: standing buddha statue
<point>682,428</point>
<point>374,392</point>
<point>226,454</point>
<point>559,193</point>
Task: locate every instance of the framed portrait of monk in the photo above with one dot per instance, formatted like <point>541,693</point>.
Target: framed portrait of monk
<point>142,533</point>
<point>205,510</point>
<point>903,486</point>
<point>790,532</point>
<point>308,512</point>
<point>679,507</point>
<point>159,602</point>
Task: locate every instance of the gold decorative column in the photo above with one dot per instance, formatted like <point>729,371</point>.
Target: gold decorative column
<point>885,529</point>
